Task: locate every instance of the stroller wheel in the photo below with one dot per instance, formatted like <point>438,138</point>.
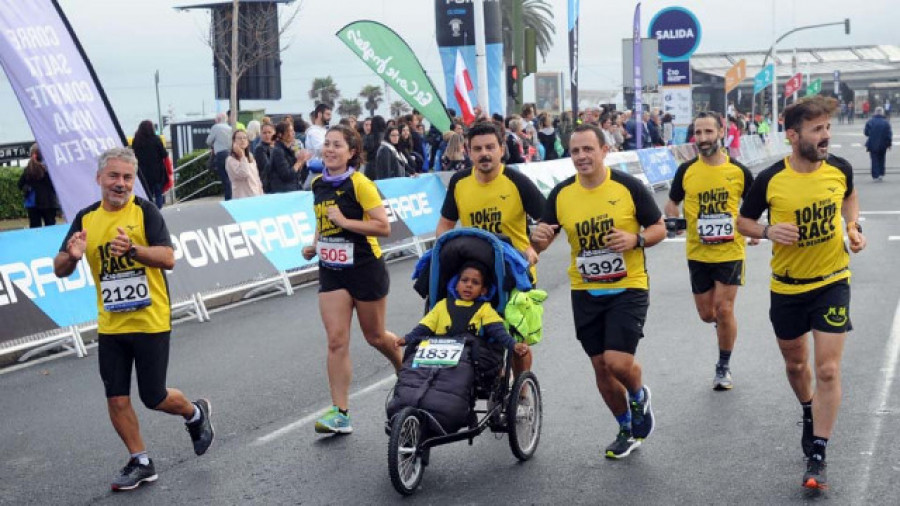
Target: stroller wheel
<point>524,416</point>
<point>404,455</point>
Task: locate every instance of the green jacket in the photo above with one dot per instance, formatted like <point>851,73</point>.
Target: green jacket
<point>525,315</point>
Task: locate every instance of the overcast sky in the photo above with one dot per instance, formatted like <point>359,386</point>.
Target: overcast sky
<point>127,40</point>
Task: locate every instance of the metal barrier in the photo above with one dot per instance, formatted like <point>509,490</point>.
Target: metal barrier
<point>173,193</point>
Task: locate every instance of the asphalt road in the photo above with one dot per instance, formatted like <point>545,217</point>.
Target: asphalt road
<point>262,366</point>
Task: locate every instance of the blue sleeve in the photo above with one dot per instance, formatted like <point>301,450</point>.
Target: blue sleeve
<point>497,332</point>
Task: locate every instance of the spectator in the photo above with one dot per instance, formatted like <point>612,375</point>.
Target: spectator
<point>606,127</point>
<point>241,168</point>
<point>372,140</point>
<point>151,156</point>
<point>733,138</point>
<point>390,161</point>
<point>879,138</point>
<point>253,129</point>
<point>548,138</point>
<point>515,149</point>
<point>668,130</point>
<point>630,130</point>
<point>454,157</point>
<point>219,142</point>
<point>40,196</point>
<point>263,154</point>
<point>286,161</point>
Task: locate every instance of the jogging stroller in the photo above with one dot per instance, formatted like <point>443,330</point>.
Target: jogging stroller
<point>438,404</point>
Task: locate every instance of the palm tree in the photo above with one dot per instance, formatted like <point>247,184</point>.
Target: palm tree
<point>374,96</point>
<point>399,108</point>
<point>536,14</point>
<point>349,107</point>
<point>324,91</point>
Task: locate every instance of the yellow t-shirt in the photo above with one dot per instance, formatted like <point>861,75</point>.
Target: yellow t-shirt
<point>131,297</point>
<point>438,319</point>
<point>588,215</point>
<point>813,201</point>
<point>712,196</point>
<point>356,195</point>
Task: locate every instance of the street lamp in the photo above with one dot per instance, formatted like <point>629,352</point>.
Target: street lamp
<point>845,23</point>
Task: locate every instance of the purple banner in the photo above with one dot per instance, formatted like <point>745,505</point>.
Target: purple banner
<point>60,96</point>
<point>638,78</point>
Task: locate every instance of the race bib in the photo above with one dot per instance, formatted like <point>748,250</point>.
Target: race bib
<point>336,253</point>
<point>601,265</point>
<point>437,352</point>
<point>715,228</point>
<point>125,291</point>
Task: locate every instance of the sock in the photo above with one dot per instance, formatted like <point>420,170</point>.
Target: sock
<point>637,396</point>
<point>624,420</point>
<point>807,409</point>
<point>343,411</point>
<point>194,418</point>
<point>724,357</point>
<point>819,444</point>
<point>142,457</point>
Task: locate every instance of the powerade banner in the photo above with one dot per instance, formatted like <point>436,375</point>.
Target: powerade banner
<point>658,164</point>
<point>394,61</point>
<point>574,14</point>
<point>217,245</point>
<point>455,30</point>
<point>61,97</point>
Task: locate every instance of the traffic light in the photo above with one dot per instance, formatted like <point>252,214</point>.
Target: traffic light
<point>512,81</point>
<point>847,26</point>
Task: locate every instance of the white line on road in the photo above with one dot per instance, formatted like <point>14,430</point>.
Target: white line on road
<point>894,238</point>
<point>312,417</point>
<point>891,357</point>
<point>878,212</point>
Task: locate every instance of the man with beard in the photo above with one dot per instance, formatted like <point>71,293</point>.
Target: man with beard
<point>126,243</point>
<point>494,198</point>
<point>805,195</point>
<point>610,218</point>
<point>712,186</point>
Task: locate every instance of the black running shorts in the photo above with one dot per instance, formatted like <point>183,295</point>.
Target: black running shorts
<point>149,353</point>
<point>826,309</point>
<point>610,322</point>
<point>368,282</point>
<point>704,274</point>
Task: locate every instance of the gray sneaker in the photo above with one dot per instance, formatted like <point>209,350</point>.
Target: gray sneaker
<point>133,474</point>
<point>723,380</point>
<point>201,431</point>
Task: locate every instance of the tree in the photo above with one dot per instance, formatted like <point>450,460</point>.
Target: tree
<point>536,14</point>
<point>349,107</point>
<point>374,96</point>
<point>239,42</point>
<point>324,91</point>
<point>399,108</point>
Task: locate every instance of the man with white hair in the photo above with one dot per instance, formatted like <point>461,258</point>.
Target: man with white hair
<point>879,140</point>
<point>124,240</point>
<point>219,142</point>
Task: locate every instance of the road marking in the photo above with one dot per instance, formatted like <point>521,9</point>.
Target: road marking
<point>316,414</point>
<point>856,145</point>
<point>836,145</point>
<point>888,369</point>
<point>873,213</point>
<point>894,238</point>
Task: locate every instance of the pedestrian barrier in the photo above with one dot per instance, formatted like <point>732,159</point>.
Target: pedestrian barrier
<point>254,245</point>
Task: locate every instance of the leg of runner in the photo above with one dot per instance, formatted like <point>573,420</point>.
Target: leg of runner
<point>371,321</point>
<point>615,396</point>
<point>336,308</point>
<point>828,350</point>
<point>523,363</point>
<point>125,421</point>
<point>796,361</point>
<point>726,332</point>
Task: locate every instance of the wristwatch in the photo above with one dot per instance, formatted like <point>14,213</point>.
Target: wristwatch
<point>640,243</point>
<point>132,252</point>
<point>855,224</point>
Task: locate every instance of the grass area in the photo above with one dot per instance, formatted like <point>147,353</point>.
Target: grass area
<point>14,224</point>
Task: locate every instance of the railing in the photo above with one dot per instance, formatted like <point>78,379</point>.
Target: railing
<point>172,196</point>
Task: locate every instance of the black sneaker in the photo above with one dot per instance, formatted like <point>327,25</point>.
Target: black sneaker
<point>201,431</point>
<point>642,417</point>
<point>815,477</point>
<point>622,446</point>
<point>806,440</point>
<point>133,474</point>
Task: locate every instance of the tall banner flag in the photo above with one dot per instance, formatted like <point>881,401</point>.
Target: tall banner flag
<point>638,79</point>
<point>461,88</point>
<point>574,13</point>
<point>455,32</point>
<point>394,61</point>
<point>61,97</point>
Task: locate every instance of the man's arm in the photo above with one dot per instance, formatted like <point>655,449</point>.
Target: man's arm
<point>850,212</point>
<point>443,226</point>
<point>672,210</point>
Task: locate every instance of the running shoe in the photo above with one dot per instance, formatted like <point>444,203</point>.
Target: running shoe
<point>723,380</point>
<point>334,422</point>
<point>201,431</point>
<point>133,474</point>
<point>622,446</point>
<point>815,477</point>
<point>642,417</point>
<point>806,440</point>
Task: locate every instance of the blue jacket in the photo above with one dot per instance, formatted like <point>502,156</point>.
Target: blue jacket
<point>878,131</point>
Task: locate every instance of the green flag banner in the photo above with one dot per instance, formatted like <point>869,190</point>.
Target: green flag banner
<point>814,87</point>
<point>392,59</point>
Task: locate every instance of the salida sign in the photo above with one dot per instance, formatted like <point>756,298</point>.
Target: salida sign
<point>677,31</point>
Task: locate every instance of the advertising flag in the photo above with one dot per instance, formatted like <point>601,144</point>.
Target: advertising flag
<point>461,88</point>
<point>735,75</point>
<point>574,12</point>
<point>638,79</point>
<point>764,78</point>
<point>61,97</point>
<point>793,84</point>
<point>393,60</point>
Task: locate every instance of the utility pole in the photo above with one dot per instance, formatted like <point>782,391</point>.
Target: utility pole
<point>158,108</point>
<point>518,35</point>
<point>481,58</point>
<point>235,12</point>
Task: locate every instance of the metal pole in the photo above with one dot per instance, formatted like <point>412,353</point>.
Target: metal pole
<point>158,108</point>
<point>518,35</point>
<point>481,58</point>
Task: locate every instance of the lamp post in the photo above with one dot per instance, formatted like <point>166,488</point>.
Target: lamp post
<point>845,22</point>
